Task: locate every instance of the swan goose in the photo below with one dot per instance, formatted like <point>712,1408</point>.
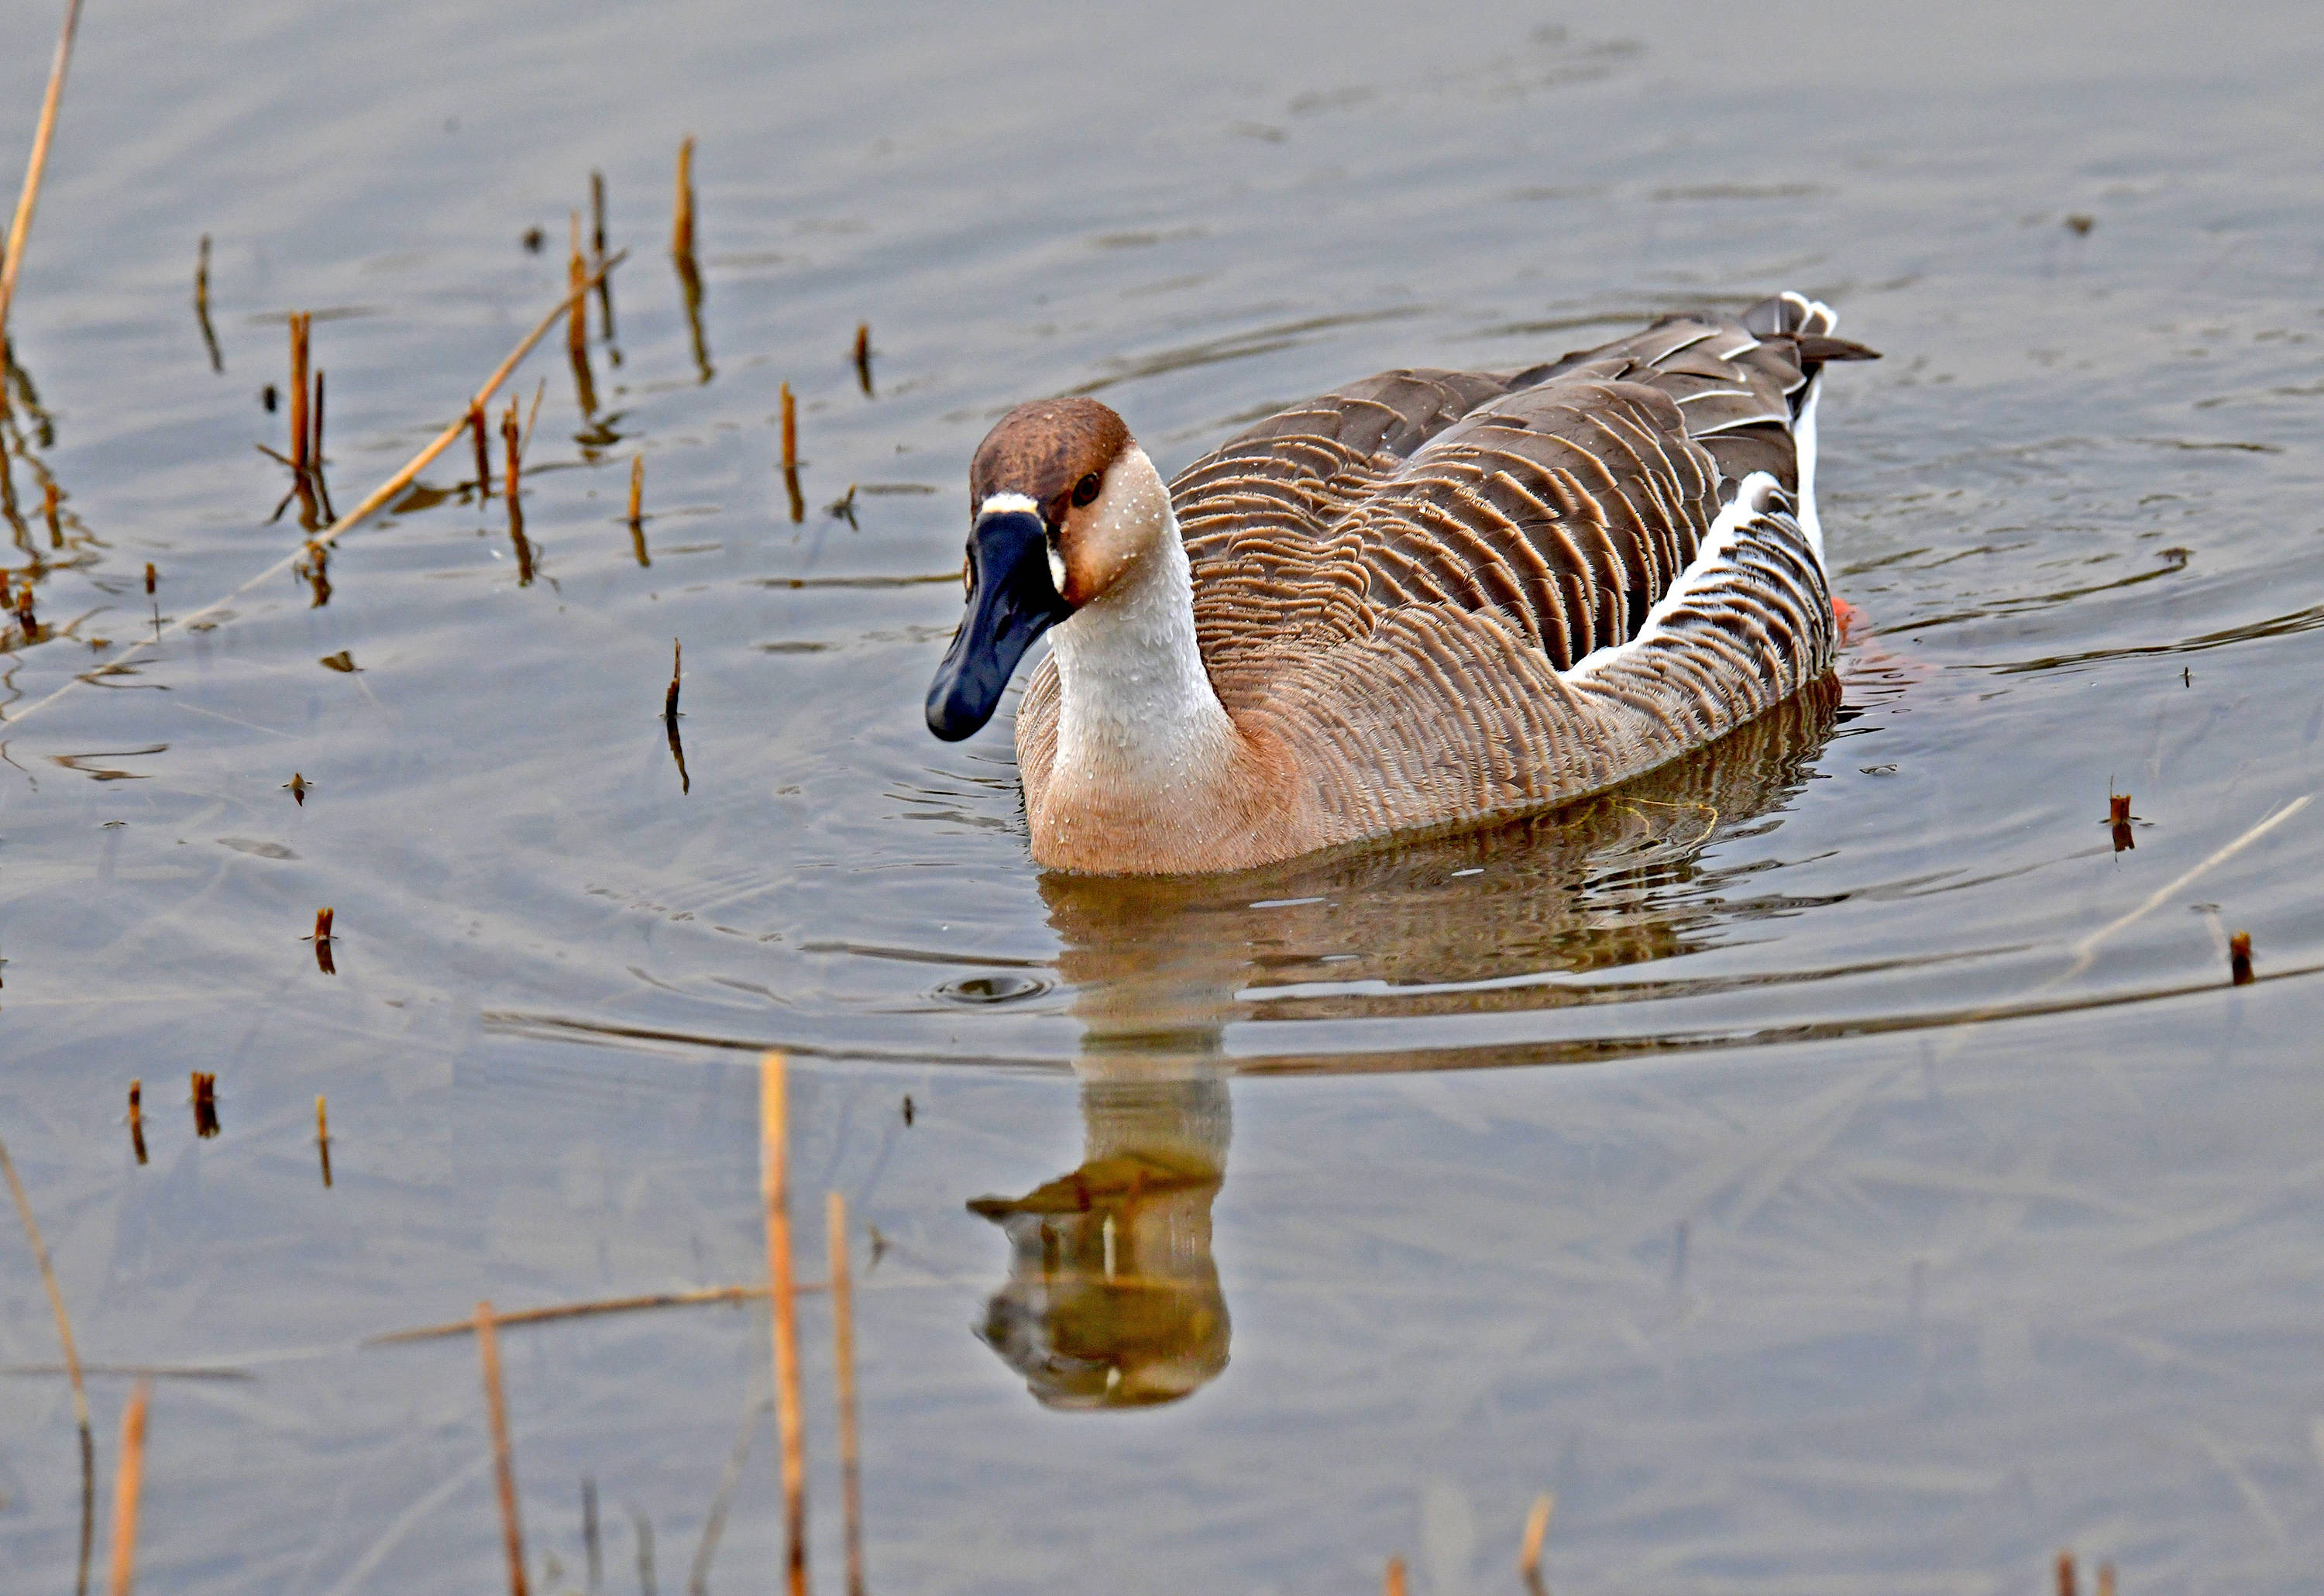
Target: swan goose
<point>1431,598</point>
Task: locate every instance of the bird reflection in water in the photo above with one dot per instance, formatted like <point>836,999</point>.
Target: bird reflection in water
<point>1112,1299</point>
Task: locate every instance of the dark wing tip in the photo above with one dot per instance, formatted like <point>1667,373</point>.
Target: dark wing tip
<point>1814,347</point>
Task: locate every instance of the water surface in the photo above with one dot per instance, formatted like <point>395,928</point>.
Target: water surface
<point>1924,1200</point>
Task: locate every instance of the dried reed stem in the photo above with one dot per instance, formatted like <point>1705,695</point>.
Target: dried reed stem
<point>2067,1585</point>
<point>597,253</point>
<point>2239,958</point>
<point>843,1361</point>
<point>323,1139</point>
<point>774,1189</point>
<point>637,510</point>
<point>791,429</point>
<point>681,224</point>
<point>1536,1526</point>
<point>476,425</point>
<point>137,1118</point>
<point>202,304</point>
<point>864,356</point>
<point>378,496</point>
<point>578,1310</point>
<point>72,1357</point>
<point>577,316</point>
<point>513,467</point>
<point>36,164</point>
<point>127,1481</point>
<point>1394,1582</point>
<point>299,322</point>
<point>576,324</point>
<point>488,1354</point>
<point>48,500</point>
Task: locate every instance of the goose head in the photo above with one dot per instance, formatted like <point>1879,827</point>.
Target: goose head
<point>1064,504</point>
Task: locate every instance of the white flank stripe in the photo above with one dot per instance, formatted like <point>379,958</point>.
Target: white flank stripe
<point>1750,498</point>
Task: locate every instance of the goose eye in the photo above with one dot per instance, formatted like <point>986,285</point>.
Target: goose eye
<point>1085,490</point>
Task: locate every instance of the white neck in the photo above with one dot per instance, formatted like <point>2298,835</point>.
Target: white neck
<point>1135,706</point>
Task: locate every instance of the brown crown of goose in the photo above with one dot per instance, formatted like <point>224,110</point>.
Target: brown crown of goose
<point>1048,451</point>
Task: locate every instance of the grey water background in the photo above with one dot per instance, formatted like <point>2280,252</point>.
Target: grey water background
<point>1830,1168</point>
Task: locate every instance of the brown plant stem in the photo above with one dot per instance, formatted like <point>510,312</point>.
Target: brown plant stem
<point>488,1355</point>
<point>128,1481</point>
<point>843,1359</point>
<point>475,424</point>
<point>202,304</point>
<point>72,1361</point>
<point>36,163</point>
<point>774,1190</point>
<point>1536,1526</point>
<point>578,1310</point>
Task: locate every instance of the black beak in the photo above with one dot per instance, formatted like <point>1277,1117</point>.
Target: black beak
<point>1011,601</point>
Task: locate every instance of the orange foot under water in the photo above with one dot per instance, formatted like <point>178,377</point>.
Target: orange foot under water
<point>1846,614</point>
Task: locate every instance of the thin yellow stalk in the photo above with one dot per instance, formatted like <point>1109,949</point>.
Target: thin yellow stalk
<point>37,163</point>
<point>1536,1526</point>
<point>72,1355</point>
<point>127,1484</point>
<point>774,1189</point>
<point>488,1354</point>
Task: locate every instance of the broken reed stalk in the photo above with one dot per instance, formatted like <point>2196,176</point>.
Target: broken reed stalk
<point>774,1190</point>
<point>488,1355</point>
<point>137,1118</point>
<point>597,253</point>
<point>2067,1585</point>
<point>363,512</point>
<point>128,1481</point>
<point>576,1310</point>
<point>681,254</point>
<point>483,453</point>
<point>790,456</point>
<point>864,356</point>
<point>676,668</point>
<point>1393,1584</point>
<point>315,450</point>
<point>1536,1527</point>
<point>637,510</point>
<point>843,1362</point>
<point>323,1139</point>
<point>2239,958</point>
<point>577,317</point>
<point>202,304</point>
<point>49,512</point>
<point>515,448</point>
<point>36,164</point>
<point>299,393</point>
<point>576,325</point>
<point>681,223</point>
<point>72,1359</point>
